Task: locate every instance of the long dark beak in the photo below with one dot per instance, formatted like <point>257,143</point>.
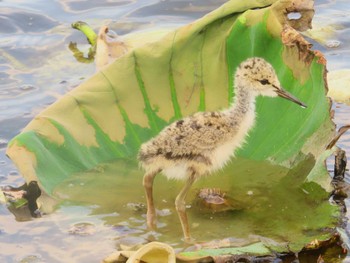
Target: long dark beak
<point>284,94</point>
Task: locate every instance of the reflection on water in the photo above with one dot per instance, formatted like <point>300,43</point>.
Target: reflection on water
<point>36,67</point>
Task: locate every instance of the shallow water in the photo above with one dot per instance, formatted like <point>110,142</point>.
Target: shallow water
<point>36,67</point>
<point>264,196</point>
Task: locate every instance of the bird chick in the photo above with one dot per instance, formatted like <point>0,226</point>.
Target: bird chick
<point>200,144</point>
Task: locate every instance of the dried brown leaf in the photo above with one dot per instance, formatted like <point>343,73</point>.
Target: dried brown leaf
<point>303,9</point>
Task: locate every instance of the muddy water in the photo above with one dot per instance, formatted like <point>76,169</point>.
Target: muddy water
<point>36,67</point>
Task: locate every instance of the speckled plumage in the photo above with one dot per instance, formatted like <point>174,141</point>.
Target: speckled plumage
<point>192,143</point>
<point>203,143</point>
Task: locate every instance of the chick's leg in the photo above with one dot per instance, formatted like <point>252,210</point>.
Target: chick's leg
<point>148,179</point>
<point>181,207</point>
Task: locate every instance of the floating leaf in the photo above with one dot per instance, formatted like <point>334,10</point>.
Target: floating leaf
<point>339,85</point>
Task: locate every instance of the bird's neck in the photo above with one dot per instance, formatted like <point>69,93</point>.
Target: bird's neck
<point>242,111</point>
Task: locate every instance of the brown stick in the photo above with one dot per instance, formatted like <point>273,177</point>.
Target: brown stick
<point>340,165</point>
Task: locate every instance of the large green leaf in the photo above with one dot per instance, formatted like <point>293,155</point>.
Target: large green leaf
<point>190,69</point>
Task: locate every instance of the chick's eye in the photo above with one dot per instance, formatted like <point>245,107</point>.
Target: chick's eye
<point>264,81</point>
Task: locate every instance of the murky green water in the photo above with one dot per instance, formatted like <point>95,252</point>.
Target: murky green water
<point>36,67</point>
<point>267,210</point>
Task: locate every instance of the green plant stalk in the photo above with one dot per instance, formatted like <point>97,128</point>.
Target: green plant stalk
<point>87,31</point>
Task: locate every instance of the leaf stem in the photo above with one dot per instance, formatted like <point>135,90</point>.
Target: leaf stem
<point>87,31</point>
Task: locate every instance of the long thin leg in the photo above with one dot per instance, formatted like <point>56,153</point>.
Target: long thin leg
<point>151,211</point>
<point>181,207</point>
